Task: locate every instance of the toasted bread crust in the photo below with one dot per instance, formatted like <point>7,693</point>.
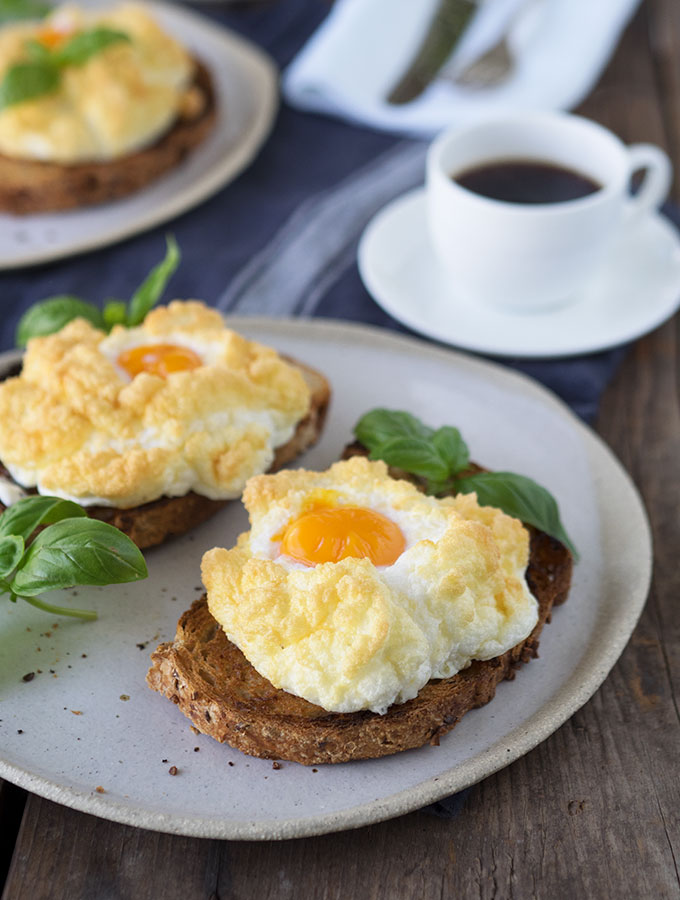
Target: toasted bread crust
<point>28,186</point>
<point>225,697</point>
<point>155,522</point>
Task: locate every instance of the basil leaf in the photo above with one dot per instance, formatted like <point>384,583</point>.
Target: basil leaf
<point>80,48</point>
<point>520,497</point>
<point>151,289</point>
<point>14,10</point>
<point>28,80</point>
<point>414,455</point>
<point>115,313</point>
<point>52,314</point>
<point>379,426</point>
<point>24,516</point>
<point>36,51</point>
<point>11,551</point>
<point>438,488</point>
<point>78,551</point>
<point>451,446</point>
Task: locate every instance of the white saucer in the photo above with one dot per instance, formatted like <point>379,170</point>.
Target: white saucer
<point>637,288</point>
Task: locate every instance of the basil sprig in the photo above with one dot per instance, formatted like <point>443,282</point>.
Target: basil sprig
<point>52,314</point>
<point>71,550</point>
<point>76,51</point>
<point>440,458</point>
<point>41,73</point>
<point>28,80</point>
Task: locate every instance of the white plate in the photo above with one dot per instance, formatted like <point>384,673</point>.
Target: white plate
<point>637,288</point>
<point>246,87</point>
<point>127,746</point>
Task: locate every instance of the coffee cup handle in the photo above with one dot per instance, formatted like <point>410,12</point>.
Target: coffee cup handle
<point>656,181</point>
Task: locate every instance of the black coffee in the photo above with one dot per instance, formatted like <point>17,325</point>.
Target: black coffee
<point>526,181</point>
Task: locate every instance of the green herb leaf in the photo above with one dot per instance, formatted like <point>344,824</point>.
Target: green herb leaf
<point>24,516</point>
<point>413,455</point>
<point>78,551</point>
<point>115,313</point>
<point>151,289</point>
<point>87,614</point>
<point>451,447</point>
<point>403,441</point>
<point>520,497</point>
<point>28,80</point>
<point>11,551</point>
<point>81,47</point>
<point>50,315</point>
<point>14,10</point>
<point>379,426</point>
<point>36,51</point>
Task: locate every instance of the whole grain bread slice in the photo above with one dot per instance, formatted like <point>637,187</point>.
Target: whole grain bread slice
<point>31,186</point>
<point>216,687</point>
<point>152,523</point>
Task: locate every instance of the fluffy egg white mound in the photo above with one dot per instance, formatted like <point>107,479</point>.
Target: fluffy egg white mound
<point>350,635</point>
<point>82,428</point>
<point>122,99</point>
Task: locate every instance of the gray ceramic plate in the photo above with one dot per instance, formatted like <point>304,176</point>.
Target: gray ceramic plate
<point>246,86</point>
<point>88,720</point>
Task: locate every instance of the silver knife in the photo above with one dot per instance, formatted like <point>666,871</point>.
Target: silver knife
<point>448,24</point>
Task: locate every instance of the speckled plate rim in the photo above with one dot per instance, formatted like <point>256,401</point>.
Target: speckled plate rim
<point>627,531</point>
<point>259,69</point>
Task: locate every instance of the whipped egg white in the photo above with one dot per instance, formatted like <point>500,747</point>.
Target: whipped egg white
<point>86,430</point>
<point>350,635</point>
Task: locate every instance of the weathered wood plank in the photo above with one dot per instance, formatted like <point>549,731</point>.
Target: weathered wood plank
<point>664,36</point>
<point>12,803</point>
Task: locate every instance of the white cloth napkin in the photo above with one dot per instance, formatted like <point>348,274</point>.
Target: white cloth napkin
<point>353,60</point>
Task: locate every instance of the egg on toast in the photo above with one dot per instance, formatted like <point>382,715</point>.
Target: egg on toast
<point>180,408</point>
<point>358,617</point>
<point>129,112</point>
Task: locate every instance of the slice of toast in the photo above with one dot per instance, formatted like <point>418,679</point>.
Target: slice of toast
<point>152,523</point>
<point>216,687</point>
<point>31,186</point>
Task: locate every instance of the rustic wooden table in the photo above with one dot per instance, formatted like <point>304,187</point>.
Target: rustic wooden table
<point>593,812</point>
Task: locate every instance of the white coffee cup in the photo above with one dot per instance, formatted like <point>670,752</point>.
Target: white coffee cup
<point>529,257</point>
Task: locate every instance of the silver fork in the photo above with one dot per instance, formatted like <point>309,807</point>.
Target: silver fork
<point>496,64</point>
<point>491,68</point>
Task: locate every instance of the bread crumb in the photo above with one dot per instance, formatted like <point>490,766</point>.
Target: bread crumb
<point>99,789</point>
<point>276,765</point>
<point>173,770</point>
<point>124,697</point>
<point>76,712</point>
<point>29,676</point>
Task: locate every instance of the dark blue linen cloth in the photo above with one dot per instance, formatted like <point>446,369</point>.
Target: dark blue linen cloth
<point>281,239</point>
<point>310,168</point>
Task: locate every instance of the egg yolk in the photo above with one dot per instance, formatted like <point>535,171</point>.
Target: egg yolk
<point>158,359</point>
<point>329,535</point>
<point>51,37</point>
